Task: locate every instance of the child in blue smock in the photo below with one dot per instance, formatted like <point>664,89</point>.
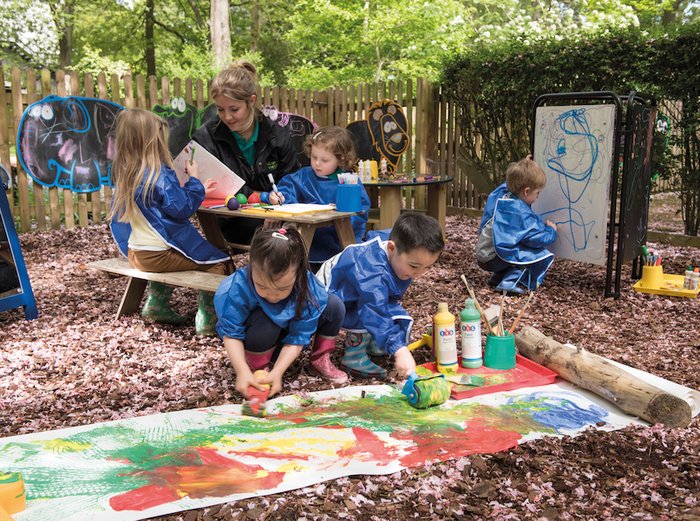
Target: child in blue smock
<point>370,278</point>
<point>150,216</point>
<point>512,238</point>
<point>331,150</point>
<point>270,310</point>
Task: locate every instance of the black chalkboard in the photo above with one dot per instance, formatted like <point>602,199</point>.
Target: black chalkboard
<point>15,290</point>
<point>636,180</point>
<point>183,121</point>
<point>298,127</point>
<point>382,134</point>
<point>69,142</point>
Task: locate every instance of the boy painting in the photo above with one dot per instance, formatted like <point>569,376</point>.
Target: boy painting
<point>512,238</point>
<point>370,278</point>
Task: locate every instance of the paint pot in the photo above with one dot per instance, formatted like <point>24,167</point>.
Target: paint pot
<point>499,352</point>
<point>652,276</point>
<point>445,339</point>
<point>470,322</point>
<point>688,276</point>
<point>348,198</point>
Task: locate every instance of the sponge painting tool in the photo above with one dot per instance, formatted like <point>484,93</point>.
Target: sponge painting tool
<point>255,405</point>
<point>12,495</point>
<point>426,391</point>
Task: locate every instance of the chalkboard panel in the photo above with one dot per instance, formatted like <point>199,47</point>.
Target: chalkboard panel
<point>183,121</point>
<point>298,126</point>
<point>637,180</point>
<point>15,289</point>
<point>69,142</point>
<point>383,134</point>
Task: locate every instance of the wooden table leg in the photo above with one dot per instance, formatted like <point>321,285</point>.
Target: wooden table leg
<point>437,204</point>
<point>212,232</point>
<point>307,233</point>
<point>132,296</point>
<point>343,228</point>
<point>389,206</point>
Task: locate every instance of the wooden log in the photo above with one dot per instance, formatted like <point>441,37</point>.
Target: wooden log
<point>586,370</point>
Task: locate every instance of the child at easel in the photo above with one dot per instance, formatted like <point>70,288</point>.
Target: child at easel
<point>269,310</point>
<point>150,216</point>
<point>331,151</point>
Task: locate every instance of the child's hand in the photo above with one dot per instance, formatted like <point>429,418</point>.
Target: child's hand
<point>271,224</point>
<point>405,364</point>
<point>552,224</point>
<point>276,198</point>
<point>210,185</point>
<point>245,379</point>
<point>191,169</point>
<point>274,378</point>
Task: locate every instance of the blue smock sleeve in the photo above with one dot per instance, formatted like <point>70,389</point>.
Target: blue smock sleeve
<point>233,302</point>
<point>176,201</point>
<point>302,329</point>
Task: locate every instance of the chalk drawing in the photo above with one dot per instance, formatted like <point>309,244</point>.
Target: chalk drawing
<point>574,146</point>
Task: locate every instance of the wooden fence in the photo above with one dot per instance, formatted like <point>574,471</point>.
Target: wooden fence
<point>434,135</point>
<point>432,132</point>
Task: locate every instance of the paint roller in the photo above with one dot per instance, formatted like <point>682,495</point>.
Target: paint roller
<point>426,391</point>
<point>255,404</point>
<point>12,495</point>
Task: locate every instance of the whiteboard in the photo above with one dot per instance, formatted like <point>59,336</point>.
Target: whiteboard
<point>574,146</point>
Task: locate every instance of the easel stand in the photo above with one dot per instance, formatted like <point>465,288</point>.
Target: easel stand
<point>11,254</point>
<point>634,125</point>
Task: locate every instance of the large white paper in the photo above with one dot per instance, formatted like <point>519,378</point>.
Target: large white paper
<point>218,179</point>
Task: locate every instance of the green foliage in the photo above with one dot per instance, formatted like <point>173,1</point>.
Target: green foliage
<point>495,88</point>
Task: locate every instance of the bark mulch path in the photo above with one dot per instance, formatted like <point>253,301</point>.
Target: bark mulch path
<point>75,365</point>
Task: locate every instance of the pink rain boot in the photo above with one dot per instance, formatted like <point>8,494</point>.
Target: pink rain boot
<point>259,360</point>
<point>321,360</point>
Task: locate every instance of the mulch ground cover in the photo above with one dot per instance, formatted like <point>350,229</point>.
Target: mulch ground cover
<point>76,365</point>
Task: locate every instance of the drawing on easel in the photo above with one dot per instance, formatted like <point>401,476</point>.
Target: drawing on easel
<point>574,146</point>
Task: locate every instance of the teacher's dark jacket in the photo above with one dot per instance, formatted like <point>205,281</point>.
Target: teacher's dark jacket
<point>274,152</point>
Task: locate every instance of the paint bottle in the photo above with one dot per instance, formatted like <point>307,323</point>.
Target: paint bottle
<point>470,322</point>
<point>383,167</point>
<point>368,170</point>
<point>688,276</point>
<point>374,172</point>
<point>444,339</point>
<point>361,171</point>
<point>695,280</point>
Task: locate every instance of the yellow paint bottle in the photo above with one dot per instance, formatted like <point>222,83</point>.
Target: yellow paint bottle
<point>444,339</point>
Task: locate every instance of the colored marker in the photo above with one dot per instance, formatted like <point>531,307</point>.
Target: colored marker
<point>274,188</point>
<point>192,158</point>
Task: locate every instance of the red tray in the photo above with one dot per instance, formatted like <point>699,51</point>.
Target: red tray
<point>526,373</point>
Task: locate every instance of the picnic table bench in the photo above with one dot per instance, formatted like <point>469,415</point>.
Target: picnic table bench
<point>138,280</point>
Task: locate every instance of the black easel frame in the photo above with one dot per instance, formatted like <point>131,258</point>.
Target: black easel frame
<point>616,223</point>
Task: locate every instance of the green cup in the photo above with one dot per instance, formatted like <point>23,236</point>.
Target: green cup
<point>499,352</point>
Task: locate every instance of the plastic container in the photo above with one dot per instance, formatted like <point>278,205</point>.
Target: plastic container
<point>445,339</point>
<point>374,170</point>
<point>688,276</point>
<point>383,167</point>
<point>652,276</point>
<point>361,171</point>
<point>500,352</point>
<point>348,198</point>
<point>470,329</point>
<point>695,280</point>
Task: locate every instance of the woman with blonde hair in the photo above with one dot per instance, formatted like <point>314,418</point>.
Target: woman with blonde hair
<point>246,141</point>
<point>150,216</point>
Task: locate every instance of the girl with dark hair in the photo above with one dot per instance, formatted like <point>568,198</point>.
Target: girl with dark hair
<point>269,310</point>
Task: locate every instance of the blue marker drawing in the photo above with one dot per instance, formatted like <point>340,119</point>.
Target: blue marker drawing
<point>574,146</point>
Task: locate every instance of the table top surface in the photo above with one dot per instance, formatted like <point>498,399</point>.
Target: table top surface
<point>311,218</point>
<point>405,179</point>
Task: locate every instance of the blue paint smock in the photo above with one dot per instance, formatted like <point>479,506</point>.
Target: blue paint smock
<point>235,299</point>
<point>304,186</point>
<point>518,235</point>
<point>168,215</point>
<point>366,283</point>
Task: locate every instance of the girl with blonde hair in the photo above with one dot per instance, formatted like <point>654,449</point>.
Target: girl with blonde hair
<point>150,216</point>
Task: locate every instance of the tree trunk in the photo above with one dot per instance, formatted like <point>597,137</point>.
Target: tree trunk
<point>150,43</point>
<point>220,32</point>
<point>254,27</point>
<point>65,41</point>
<point>586,370</point>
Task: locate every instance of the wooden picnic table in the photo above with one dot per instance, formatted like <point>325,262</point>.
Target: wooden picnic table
<point>306,224</point>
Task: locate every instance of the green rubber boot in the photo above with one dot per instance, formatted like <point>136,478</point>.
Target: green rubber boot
<point>205,320</point>
<point>157,306</point>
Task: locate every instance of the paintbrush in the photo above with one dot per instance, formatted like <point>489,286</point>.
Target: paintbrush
<point>500,313</point>
<point>467,379</point>
<point>256,403</point>
<point>478,307</point>
<point>520,315</point>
